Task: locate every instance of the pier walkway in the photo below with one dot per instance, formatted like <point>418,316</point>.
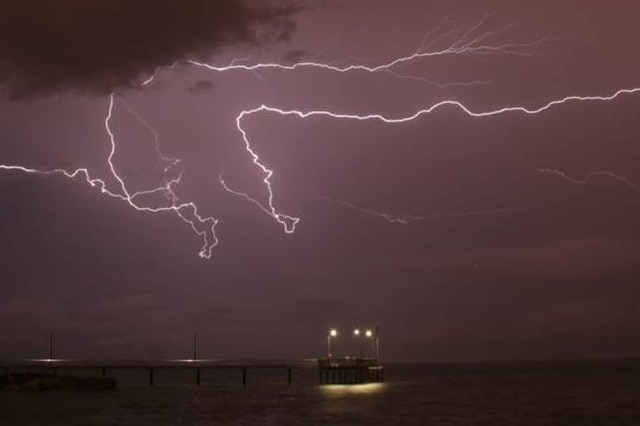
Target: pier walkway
<point>103,367</point>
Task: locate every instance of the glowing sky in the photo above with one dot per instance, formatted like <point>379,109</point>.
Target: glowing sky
<point>466,232</point>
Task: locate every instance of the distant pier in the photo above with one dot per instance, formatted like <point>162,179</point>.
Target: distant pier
<point>345,371</point>
<point>353,370</point>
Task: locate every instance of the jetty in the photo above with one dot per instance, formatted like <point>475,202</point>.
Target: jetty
<point>56,367</point>
<point>53,372</point>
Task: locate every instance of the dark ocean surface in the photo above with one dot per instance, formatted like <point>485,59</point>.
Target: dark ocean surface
<point>549,393</point>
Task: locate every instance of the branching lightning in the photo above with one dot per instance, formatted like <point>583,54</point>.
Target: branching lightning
<point>187,212</point>
<point>471,42</point>
<point>388,67</point>
<point>285,220</point>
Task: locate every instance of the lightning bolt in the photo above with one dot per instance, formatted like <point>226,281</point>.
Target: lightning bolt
<point>286,221</point>
<point>187,212</point>
<point>468,44</point>
<point>289,222</point>
<point>167,162</point>
<point>405,219</point>
<point>472,42</point>
<point>589,176</point>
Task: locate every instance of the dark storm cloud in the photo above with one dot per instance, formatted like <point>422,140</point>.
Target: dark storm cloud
<point>99,45</point>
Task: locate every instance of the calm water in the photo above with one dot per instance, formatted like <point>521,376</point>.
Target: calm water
<point>602,393</point>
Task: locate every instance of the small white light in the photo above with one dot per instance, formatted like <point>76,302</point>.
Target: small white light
<point>369,333</point>
<point>356,332</point>
<point>333,332</point>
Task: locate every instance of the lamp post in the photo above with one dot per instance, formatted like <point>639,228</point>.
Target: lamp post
<point>51,346</point>
<point>358,335</point>
<point>195,346</point>
<point>377,344</point>
<point>369,334</point>
<point>332,333</point>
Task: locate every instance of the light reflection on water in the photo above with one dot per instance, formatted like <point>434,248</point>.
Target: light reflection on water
<point>359,389</point>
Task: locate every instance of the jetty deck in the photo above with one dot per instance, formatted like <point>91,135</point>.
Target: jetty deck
<point>103,367</point>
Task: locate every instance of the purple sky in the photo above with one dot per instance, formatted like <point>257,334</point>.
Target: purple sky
<point>495,259</point>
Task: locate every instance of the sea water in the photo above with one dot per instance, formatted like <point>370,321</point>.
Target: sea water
<point>550,393</point>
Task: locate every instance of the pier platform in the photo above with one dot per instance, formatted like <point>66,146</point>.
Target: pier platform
<point>343,371</point>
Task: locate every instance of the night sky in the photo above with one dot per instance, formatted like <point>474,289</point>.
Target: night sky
<point>513,236</point>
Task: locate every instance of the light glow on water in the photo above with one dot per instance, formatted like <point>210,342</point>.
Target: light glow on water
<point>357,389</point>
